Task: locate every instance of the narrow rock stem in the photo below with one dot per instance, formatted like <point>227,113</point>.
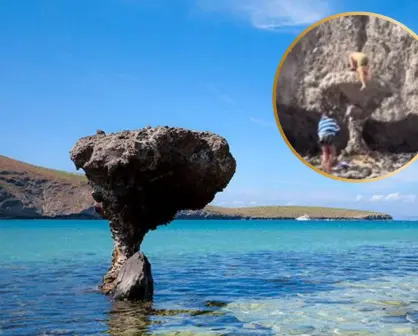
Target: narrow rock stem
<point>127,242</point>
<point>356,144</point>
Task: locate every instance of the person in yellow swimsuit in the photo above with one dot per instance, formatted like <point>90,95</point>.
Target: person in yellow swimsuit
<point>360,62</point>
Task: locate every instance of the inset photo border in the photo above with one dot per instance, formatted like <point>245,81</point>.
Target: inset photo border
<point>345,97</point>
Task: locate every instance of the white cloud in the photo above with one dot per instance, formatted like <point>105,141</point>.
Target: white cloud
<point>359,198</point>
<point>400,197</point>
<point>393,197</point>
<point>271,14</point>
<point>236,203</point>
<point>375,198</point>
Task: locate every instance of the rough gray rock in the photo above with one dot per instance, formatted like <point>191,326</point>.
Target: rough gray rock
<point>315,76</point>
<point>143,178</point>
<point>355,124</point>
<point>135,279</point>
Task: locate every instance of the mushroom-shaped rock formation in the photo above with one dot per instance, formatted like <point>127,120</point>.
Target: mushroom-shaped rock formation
<point>316,76</point>
<point>142,178</point>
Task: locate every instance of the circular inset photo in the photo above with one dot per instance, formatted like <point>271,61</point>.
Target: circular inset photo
<point>346,97</point>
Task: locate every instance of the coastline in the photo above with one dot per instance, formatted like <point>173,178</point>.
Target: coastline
<point>32,192</point>
<point>220,214</point>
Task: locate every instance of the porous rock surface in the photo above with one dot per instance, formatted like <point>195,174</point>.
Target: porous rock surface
<point>315,77</point>
<point>142,178</point>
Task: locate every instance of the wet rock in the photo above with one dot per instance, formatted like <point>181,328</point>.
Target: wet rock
<point>215,304</point>
<point>135,279</point>
<point>142,178</point>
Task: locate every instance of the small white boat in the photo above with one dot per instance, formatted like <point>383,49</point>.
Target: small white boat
<point>305,217</point>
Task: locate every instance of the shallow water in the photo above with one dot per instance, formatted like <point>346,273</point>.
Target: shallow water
<point>215,278</point>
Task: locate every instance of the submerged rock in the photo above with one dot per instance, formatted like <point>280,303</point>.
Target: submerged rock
<point>142,178</point>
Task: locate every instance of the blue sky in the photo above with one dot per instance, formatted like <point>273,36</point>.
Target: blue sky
<point>70,67</point>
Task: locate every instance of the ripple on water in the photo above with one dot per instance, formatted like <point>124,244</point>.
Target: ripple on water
<point>369,291</point>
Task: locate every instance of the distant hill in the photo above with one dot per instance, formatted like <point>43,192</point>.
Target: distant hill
<point>281,212</point>
<point>28,191</point>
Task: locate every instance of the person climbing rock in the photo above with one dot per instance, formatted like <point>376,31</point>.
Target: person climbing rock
<point>360,62</point>
<point>328,130</point>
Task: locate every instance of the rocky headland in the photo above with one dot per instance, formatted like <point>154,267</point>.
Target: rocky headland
<point>281,213</point>
<point>32,192</point>
<point>381,135</point>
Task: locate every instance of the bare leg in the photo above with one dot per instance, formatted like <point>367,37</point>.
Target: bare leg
<point>323,154</point>
<point>328,162</point>
<point>332,157</point>
<point>362,72</point>
<point>325,157</point>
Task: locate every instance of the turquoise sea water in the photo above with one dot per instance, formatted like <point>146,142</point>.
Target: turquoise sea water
<point>215,278</point>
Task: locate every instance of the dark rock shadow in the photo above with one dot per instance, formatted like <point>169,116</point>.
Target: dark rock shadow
<point>126,316</point>
<point>140,317</point>
<point>300,127</point>
<point>394,137</point>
